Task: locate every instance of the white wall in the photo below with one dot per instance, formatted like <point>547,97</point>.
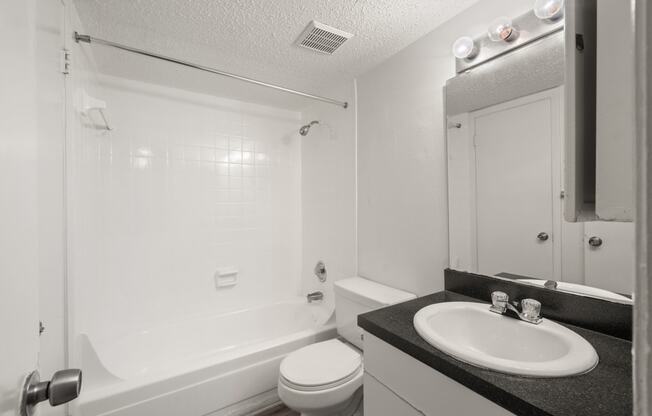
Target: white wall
<point>328,191</point>
<point>184,185</point>
<point>402,195</point>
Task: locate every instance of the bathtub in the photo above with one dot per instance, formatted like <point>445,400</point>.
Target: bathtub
<point>198,366</point>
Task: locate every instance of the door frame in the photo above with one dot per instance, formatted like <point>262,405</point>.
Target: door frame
<point>642,359</point>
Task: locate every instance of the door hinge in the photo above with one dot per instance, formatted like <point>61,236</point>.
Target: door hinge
<point>65,61</point>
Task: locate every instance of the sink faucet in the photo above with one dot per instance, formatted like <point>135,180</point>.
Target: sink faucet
<point>314,296</point>
<point>530,308</point>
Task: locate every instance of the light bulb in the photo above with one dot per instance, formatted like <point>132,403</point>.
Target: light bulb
<point>501,29</point>
<point>464,48</point>
<point>549,9</point>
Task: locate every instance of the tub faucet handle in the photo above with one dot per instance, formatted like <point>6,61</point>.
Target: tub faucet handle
<point>315,296</point>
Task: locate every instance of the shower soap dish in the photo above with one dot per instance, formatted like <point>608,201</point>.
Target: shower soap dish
<point>226,276</point>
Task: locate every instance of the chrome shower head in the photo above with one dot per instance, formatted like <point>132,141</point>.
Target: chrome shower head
<point>305,129</point>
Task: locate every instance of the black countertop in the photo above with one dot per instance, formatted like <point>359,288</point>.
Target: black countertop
<point>604,391</point>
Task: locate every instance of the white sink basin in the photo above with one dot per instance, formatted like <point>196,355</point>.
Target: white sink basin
<point>473,334</point>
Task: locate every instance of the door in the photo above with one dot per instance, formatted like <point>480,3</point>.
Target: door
<point>19,301</point>
<point>514,191</point>
<point>609,256</point>
<point>31,193</point>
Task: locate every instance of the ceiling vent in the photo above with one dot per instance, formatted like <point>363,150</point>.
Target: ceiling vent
<point>322,38</point>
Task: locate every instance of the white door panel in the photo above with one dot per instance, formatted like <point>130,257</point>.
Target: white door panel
<point>514,202</point>
<point>18,203</point>
<point>51,139</point>
<point>32,105</point>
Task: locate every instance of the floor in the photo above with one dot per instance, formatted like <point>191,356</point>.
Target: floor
<point>280,411</point>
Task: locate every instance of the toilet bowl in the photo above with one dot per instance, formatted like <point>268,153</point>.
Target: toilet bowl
<point>322,379</point>
<point>325,379</point>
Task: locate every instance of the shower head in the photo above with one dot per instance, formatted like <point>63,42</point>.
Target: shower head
<point>305,129</point>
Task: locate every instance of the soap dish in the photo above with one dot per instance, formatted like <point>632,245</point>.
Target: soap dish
<point>226,277</point>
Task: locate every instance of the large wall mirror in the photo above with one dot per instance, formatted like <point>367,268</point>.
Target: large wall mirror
<point>540,131</point>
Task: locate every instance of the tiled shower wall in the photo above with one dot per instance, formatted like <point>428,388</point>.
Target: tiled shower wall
<point>183,186</point>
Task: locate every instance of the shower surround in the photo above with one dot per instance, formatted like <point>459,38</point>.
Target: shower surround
<point>184,187</point>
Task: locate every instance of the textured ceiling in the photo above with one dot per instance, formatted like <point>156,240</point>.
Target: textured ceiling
<point>256,38</point>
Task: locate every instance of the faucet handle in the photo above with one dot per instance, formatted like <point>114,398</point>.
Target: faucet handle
<point>531,309</point>
<point>499,297</point>
<point>499,302</point>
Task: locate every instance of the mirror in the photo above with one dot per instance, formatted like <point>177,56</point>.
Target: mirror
<point>537,137</point>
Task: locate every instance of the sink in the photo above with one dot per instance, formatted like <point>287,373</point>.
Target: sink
<point>471,333</point>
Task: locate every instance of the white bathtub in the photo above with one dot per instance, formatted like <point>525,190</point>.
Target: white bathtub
<point>198,366</point>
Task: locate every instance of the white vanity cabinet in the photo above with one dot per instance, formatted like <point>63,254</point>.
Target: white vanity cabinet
<point>397,384</point>
<point>380,400</point>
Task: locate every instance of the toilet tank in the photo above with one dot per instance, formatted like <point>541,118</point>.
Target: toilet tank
<point>356,295</point>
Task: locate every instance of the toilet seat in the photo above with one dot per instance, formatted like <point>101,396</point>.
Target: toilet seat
<point>321,366</point>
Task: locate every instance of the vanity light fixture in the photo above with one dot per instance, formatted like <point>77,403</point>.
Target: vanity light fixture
<point>501,29</point>
<point>464,48</point>
<point>549,9</point>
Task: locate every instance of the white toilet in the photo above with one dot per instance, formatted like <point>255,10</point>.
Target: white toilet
<point>325,379</point>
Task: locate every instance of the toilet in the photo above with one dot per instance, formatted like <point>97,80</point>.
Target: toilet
<point>325,379</point>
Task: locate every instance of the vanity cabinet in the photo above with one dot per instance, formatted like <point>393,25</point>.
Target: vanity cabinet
<point>397,384</point>
<point>380,400</point>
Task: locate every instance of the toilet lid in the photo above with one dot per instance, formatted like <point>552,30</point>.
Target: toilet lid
<point>323,363</point>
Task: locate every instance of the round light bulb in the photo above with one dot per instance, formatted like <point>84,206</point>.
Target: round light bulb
<point>549,9</point>
<point>464,48</point>
<point>501,29</point>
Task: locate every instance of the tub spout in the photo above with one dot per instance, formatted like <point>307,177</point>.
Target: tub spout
<point>315,296</point>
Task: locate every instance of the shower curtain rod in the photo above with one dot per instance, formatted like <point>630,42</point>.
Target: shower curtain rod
<point>91,39</point>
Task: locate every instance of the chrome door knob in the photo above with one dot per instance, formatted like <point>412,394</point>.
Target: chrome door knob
<point>64,387</point>
<point>543,236</point>
<point>595,241</point>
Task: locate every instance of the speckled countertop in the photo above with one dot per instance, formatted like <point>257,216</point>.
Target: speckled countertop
<point>604,391</point>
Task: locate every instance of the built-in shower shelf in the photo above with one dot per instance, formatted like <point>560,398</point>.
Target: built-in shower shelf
<point>86,105</point>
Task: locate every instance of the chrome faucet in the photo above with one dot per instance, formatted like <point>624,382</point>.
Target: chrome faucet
<point>315,296</point>
<point>530,308</point>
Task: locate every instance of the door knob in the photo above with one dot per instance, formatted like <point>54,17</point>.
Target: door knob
<point>595,241</point>
<point>64,387</point>
<point>543,236</point>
